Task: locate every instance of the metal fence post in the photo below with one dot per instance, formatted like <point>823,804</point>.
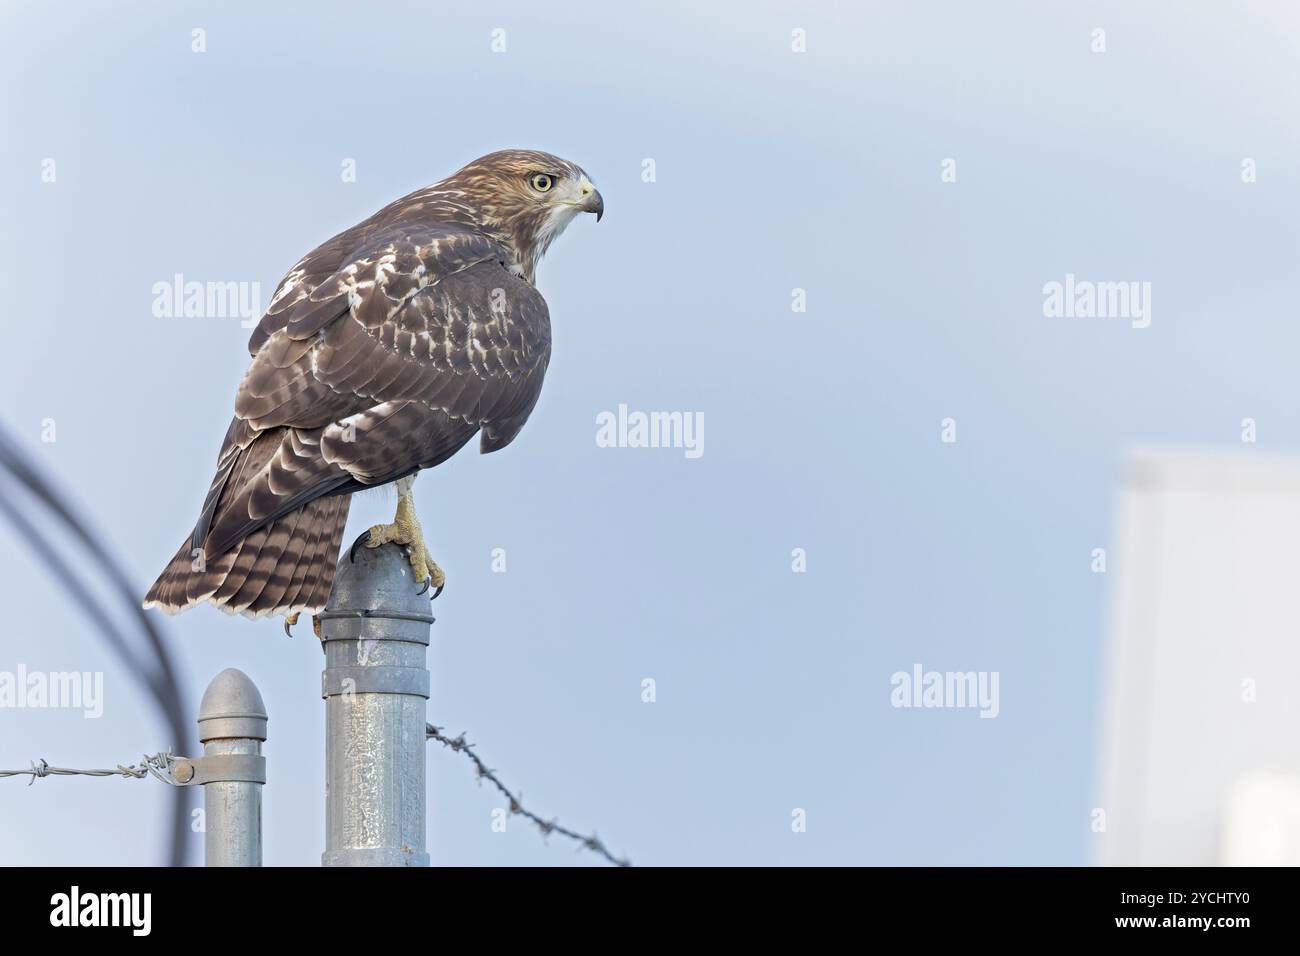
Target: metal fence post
<point>375,635</point>
<point>232,726</point>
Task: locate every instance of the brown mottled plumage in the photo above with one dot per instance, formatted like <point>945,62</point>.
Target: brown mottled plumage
<point>383,352</point>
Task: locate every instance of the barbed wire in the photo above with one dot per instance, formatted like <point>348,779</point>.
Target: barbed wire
<point>156,765</point>
<point>547,827</point>
<point>159,766</point>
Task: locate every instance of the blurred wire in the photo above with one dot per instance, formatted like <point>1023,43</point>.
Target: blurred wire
<point>147,657</point>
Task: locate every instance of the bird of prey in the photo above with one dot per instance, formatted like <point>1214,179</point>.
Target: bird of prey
<point>383,351</point>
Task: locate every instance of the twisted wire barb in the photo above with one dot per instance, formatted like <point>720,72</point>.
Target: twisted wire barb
<point>547,827</point>
<point>155,765</point>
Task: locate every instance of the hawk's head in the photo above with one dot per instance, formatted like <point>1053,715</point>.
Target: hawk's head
<point>526,198</point>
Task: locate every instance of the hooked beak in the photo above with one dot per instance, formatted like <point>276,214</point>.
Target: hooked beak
<point>591,200</point>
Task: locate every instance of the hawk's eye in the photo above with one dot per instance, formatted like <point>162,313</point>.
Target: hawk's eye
<point>541,182</point>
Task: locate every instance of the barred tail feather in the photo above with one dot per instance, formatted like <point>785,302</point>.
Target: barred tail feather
<point>282,568</point>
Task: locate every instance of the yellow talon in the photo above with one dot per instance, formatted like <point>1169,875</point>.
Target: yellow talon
<point>406,531</point>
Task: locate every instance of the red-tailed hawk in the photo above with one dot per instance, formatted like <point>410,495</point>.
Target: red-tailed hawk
<point>383,351</point>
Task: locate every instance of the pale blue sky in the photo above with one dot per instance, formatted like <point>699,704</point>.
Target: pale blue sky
<point>775,170</point>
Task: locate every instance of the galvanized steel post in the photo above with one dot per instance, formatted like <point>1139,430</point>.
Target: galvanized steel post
<point>232,770</point>
<point>375,634</point>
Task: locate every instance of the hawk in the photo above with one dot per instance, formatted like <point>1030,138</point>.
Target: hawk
<point>383,352</point>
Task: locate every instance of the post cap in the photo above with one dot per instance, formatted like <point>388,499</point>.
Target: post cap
<point>376,597</point>
<point>232,707</point>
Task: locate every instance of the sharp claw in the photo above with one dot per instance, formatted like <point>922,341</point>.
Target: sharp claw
<point>436,593</point>
<point>425,586</point>
<point>288,623</point>
<point>362,539</point>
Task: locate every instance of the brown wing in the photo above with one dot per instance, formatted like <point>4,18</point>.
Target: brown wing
<point>390,363</point>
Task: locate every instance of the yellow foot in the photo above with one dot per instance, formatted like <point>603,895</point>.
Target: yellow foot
<point>406,531</point>
<point>291,619</point>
